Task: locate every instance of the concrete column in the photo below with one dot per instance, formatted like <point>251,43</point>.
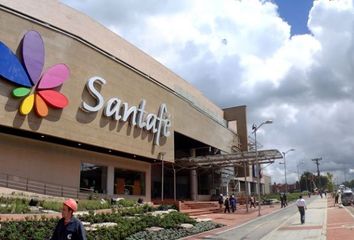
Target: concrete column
<point>193,179</point>
<point>194,185</point>
<point>110,180</point>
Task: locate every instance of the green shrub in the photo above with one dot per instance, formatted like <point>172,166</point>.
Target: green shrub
<point>166,207</point>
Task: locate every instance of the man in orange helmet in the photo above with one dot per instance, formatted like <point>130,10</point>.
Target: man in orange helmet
<point>68,226</point>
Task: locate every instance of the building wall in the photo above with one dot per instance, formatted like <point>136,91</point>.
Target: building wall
<point>267,184</point>
<point>56,164</point>
<point>86,61</point>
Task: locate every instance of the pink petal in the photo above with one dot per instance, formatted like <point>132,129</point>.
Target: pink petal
<point>54,76</point>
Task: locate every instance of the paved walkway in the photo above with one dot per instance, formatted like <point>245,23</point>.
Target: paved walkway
<point>323,221</point>
<point>340,222</point>
<point>314,227</point>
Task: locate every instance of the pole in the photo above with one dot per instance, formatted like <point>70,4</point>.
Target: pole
<point>174,183</point>
<point>162,177</point>
<point>258,175</point>
<point>161,155</point>
<point>246,185</point>
<point>286,182</point>
<point>316,160</point>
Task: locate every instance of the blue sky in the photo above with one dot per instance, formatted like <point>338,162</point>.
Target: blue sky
<point>296,13</point>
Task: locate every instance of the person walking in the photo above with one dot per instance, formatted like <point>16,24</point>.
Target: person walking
<point>221,200</point>
<point>233,203</point>
<point>227,205</point>
<point>285,200</point>
<point>301,205</point>
<point>252,202</point>
<point>281,200</point>
<point>68,226</point>
<point>336,196</point>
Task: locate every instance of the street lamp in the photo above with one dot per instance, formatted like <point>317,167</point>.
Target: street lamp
<point>284,154</point>
<point>255,128</point>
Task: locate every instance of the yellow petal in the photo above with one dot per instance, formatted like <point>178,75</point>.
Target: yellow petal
<point>27,105</point>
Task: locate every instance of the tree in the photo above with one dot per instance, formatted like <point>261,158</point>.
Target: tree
<point>306,183</point>
<point>330,186</point>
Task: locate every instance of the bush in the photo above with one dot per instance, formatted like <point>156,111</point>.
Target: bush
<point>166,207</point>
<point>14,205</point>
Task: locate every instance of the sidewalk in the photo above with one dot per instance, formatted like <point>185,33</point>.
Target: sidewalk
<point>315,226</point>
<point>340,222</point>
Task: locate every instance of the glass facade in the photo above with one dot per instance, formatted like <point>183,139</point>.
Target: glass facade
<point>129,182</point>
<point>93,178</point>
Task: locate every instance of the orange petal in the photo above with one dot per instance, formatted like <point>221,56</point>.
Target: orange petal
<point>27,105</point>
<point>41,106</point>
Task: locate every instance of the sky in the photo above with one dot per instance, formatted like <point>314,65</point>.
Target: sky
<point>288,61</point>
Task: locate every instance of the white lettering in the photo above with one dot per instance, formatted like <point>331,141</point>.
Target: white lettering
<point>158,124</point>
<point>127,112</point>
<point>112,108</point>
<point>94,93</point>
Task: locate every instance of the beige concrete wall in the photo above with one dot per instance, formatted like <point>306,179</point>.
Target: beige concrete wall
<point>56,164</point>
<point>64,17</point>
<point>85,62</point>
<point>239,114</point>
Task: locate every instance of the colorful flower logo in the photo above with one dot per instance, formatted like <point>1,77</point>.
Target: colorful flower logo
<point>36,88</point>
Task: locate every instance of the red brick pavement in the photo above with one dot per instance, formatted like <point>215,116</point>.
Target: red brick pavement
<point>340,222</point>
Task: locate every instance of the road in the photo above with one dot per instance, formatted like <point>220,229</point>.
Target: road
<point>280,224</point>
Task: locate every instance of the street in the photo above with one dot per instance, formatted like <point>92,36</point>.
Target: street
<point>283,224</point>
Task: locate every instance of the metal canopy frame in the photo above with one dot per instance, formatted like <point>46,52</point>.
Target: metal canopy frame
<point>229,160</point>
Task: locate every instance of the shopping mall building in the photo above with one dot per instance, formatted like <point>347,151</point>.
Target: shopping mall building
<point>82,110</point>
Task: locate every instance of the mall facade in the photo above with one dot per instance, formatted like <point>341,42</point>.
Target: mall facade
<point>82,110</point>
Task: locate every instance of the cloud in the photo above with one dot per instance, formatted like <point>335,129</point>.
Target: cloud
<point>242,53</point>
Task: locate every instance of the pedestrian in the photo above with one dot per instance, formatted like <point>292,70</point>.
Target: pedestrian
<point>301,205</point>
<point>252,202</point>
<point>285,200</point>
<point>233,203</point>
<point>281,200</point>
<point>221,200</point>
<point>336,196</point>
<point>68,226</point>
<point>227,205</point>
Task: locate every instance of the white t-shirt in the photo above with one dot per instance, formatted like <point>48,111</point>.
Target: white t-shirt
<point>301,202</point>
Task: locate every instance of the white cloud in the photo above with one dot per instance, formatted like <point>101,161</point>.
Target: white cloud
<point>241,52</point>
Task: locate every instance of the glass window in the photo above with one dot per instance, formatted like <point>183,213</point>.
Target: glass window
<point>129,182</point>
<point>93,178</point>
<point>204,183</point>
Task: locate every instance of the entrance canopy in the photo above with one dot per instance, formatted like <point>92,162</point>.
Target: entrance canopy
<point>229,160</point>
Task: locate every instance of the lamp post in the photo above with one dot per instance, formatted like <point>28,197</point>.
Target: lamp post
<point>255,128</point>
<point>284,157</point>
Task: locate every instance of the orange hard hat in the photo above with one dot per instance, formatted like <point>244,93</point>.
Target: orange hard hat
<point>71,203</point>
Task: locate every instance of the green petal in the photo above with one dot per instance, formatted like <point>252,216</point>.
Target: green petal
<point>21,92</point>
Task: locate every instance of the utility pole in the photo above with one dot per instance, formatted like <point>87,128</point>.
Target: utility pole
<point>316,160</point>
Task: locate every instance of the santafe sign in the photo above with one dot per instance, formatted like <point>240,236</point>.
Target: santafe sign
<point>114,108</point>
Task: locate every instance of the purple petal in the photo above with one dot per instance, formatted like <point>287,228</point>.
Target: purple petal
<point>33,55</point>
<point>54,76</point>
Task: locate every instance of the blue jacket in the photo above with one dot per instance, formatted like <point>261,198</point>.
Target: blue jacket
<point>232,201</point>
<point>74,230</point>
